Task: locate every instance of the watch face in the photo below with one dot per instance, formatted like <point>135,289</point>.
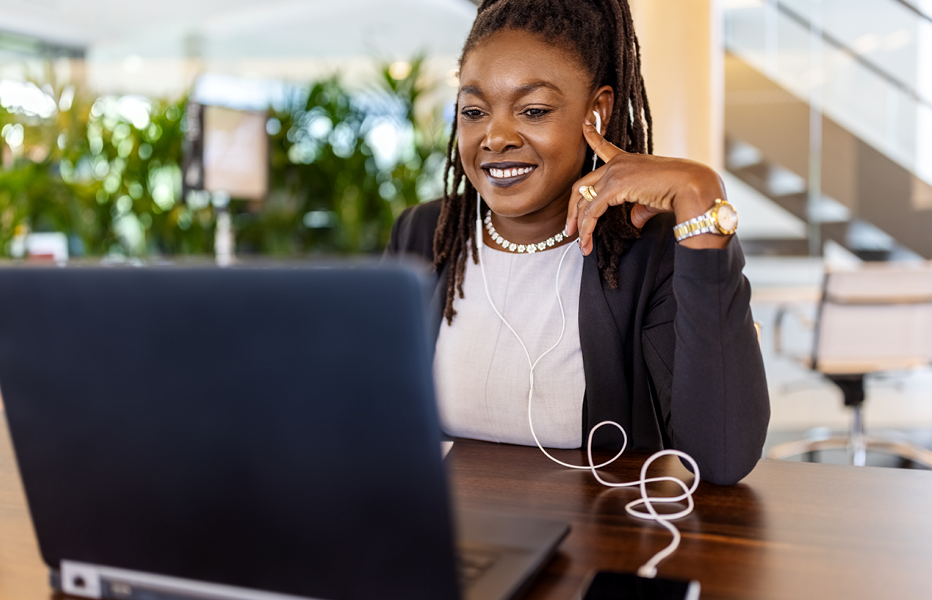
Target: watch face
<point>726,217</point>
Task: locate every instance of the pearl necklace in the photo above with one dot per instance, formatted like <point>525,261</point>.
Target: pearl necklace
<point>512,247</point>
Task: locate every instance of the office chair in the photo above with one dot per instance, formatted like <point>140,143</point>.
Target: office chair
<point>876,319</point>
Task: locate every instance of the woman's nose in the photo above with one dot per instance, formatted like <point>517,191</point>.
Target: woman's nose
<point>501,135</point>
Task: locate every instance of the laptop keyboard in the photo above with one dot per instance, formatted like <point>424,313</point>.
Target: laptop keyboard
<point>471,563</point>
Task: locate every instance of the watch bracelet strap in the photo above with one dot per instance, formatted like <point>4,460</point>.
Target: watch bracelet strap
<point>695,226</point>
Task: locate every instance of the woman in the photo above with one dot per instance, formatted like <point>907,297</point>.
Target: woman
<point>607,318</point>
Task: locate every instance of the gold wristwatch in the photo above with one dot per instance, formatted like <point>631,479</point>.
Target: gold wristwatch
<point>721,219</point>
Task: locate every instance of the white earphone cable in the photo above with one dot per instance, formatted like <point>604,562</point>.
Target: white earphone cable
<point>533,364</point>
<point>633,508</point>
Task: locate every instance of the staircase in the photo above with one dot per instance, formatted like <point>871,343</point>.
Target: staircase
<point>872,201</point>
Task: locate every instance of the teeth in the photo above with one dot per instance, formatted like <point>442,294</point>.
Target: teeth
<point>503,173</point>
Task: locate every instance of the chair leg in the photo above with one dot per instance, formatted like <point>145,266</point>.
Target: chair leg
<point>857,446</point>
<point>856,443</point>
<point>797,447</point>
<point>911,452</point>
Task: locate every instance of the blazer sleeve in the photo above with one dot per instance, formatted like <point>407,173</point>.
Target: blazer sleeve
<point>413,232</point>
<point>702,352</point>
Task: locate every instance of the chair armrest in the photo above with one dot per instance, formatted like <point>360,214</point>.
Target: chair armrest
<point>793,310</point>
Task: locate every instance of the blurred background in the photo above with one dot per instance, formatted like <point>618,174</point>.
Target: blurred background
<point>321,121</point>
<point>143,133</point>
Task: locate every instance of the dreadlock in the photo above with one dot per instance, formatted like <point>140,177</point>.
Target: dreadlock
<point>601,32</point>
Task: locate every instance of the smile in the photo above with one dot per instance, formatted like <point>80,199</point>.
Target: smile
<point>507,174</point>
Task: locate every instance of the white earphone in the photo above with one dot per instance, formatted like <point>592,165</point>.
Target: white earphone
<point>649,569</point>
<point>598,127</point>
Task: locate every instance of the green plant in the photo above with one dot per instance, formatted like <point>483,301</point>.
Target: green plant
<point>330,191</point>
<point>32,192</point>
<point>136,161</point>
<point>106,172</point>
<point>108,181</point>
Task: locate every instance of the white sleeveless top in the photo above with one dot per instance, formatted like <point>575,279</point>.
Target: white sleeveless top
<point>481,372</point>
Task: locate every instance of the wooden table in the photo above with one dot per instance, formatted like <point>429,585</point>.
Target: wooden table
<point>790,530</point>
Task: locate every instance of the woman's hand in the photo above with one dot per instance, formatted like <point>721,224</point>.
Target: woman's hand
<point>654,184</point>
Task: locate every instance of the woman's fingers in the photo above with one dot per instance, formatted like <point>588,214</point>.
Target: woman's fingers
<point>610,190</point>
<point>580,210</point>
<point>587,215</point>
<point>601,146</point>
<point>641,214</point>
<point>604,150</point>
<point>576,196</point>
<point>570,228</point>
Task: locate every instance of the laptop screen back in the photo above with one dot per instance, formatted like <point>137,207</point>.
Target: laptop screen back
<point>271,429</point>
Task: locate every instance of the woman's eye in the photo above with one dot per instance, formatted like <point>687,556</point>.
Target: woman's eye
<point>536,113</point>
<point>471,113</point>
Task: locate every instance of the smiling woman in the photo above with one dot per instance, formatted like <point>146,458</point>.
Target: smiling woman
<point>540,340</point>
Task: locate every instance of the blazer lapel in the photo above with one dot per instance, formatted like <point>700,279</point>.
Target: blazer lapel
<point>608,396</point>
<point>437,303</point>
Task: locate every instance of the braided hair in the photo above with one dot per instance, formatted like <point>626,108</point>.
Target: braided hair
<point>601,33</point>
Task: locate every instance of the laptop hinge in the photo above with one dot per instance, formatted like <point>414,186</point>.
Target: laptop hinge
<point>94,581</point>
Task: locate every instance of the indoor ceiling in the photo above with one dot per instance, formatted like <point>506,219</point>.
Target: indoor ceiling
<point>111,29</point>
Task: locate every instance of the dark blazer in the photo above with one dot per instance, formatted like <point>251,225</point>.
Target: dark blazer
<point>674,306</point>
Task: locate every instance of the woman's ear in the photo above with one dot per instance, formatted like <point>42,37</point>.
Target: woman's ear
<point>603,102</point>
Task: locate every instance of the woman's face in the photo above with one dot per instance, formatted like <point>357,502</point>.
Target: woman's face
<point>522,103</point>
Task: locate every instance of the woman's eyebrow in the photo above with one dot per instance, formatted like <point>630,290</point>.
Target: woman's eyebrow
<point>521,90</point>
<point>527,88</point>
<point>471,90</point>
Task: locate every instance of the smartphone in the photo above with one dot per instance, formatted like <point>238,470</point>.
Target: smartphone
<point>606,585</point>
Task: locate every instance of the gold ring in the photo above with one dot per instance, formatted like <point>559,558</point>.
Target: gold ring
<point>592,192</point>
<point>587,193</point>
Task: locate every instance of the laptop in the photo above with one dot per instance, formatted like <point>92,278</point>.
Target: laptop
<point>257,434</point>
